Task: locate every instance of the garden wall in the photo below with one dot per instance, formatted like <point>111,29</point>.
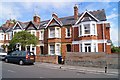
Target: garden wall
<point>47,59</point>
<point>92,59</point>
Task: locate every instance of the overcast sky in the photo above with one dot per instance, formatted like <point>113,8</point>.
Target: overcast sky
<point>24,11</point>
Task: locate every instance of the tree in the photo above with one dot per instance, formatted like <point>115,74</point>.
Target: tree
<point>23,38</point>
<point>115,49</point>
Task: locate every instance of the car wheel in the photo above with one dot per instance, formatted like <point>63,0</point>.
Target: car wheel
<point>6,60</point>
<point>21,62</point>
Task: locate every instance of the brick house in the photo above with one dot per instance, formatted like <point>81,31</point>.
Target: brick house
<point>85,32</point>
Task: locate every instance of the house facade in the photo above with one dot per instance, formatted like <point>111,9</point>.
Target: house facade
<point>85,32</point>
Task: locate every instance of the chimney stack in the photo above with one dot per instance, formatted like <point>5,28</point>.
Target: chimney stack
<point>36,18</point>
<point>75,12</point>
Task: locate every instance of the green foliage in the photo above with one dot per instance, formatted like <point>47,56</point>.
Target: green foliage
<point>115,49</point>
<point>24,38</point>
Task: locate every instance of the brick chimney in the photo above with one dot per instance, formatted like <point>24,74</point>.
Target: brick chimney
<point>36,18</point>
<point>75,12</point>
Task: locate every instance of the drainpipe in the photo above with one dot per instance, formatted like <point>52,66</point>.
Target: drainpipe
<point>73,37</point>
<point>104,37</point>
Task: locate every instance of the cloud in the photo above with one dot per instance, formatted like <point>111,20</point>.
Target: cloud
<point>9,11</point>
<point>112,16</point>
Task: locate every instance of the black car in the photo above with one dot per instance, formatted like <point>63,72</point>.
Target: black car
<point>21,57</point>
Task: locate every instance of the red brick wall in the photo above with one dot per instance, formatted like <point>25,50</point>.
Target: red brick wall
<point>75,48</point>
<point>76,34</point>
<point>63,35</point>
<point>47,59</point>
<point>37,50</point>
<point>88,38</point>
<point>63,49</point>
<point>100,47</point>
<point>108,49</point>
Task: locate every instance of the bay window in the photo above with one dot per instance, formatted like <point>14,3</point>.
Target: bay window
<point>52,49</point>
<point>88,47</point>
<point>54,32</point>
<point>87,28</point>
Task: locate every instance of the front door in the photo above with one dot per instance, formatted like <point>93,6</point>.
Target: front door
<point>87,47</point>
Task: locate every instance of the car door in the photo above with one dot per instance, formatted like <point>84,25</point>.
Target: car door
<point>11,56</point>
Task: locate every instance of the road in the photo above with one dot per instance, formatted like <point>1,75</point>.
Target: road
<point>10,70</point>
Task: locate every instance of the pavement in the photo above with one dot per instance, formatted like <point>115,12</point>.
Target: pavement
<point>78,68</point>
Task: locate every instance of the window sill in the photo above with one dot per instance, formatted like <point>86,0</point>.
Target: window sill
<point>87,35</point>
<point>68,37</point>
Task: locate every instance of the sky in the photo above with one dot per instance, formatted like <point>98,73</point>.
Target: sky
<point>24,11</point>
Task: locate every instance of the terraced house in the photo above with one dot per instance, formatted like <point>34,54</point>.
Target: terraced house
<point>85,32</point>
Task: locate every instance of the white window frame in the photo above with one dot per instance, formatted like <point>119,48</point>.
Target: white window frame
<point>67,32</point>
<point>7,37</point>
<point>41,36</point>
<point>55,49</point>
<point>92,29</point>
<point>16,31</point>
<point>1,36</point>
<point>93,44</point>
<point>56,35</point>
<point>57,52</point>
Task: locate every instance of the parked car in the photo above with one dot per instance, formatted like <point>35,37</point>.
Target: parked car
<point>21,57</point>
<point>2,54</point>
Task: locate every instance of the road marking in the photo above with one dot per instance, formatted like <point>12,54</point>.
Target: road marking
<point>11,71</point>
<point>41,77</point>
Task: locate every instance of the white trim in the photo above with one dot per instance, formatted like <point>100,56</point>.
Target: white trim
<point>89,41</point>
<point>51,20</point>
<point>19,25</point>
<point>91,28</point>
<point>66,36</point>
<point>84,14</point>
<point>40,34</point>
<point>101,22</point>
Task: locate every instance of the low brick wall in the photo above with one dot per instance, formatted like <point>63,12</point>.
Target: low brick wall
<point>91,59</point>
<point>47,58</point>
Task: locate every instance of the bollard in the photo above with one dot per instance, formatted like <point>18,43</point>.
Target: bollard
<point>105,69</point>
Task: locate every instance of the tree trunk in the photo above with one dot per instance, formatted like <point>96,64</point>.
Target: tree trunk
<point>23,48</point>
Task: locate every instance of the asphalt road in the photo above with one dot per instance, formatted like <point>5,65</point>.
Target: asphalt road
<point>10,70</point>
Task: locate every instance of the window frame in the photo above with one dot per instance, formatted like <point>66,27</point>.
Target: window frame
<point>68,36</point>
<point>82,28</point>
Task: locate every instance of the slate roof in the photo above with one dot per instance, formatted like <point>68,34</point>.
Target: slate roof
<point>99,14</point>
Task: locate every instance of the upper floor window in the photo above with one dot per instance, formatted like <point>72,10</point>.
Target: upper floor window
<point>87,28</point>
<point>2,37</point>
<point>68,32</point>
<point>52,33</point>
<point>57,32</point>
<point>6,36</point>
<point>41,35</point>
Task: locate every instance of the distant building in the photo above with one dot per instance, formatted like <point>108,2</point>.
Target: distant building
<point>85,32</point>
